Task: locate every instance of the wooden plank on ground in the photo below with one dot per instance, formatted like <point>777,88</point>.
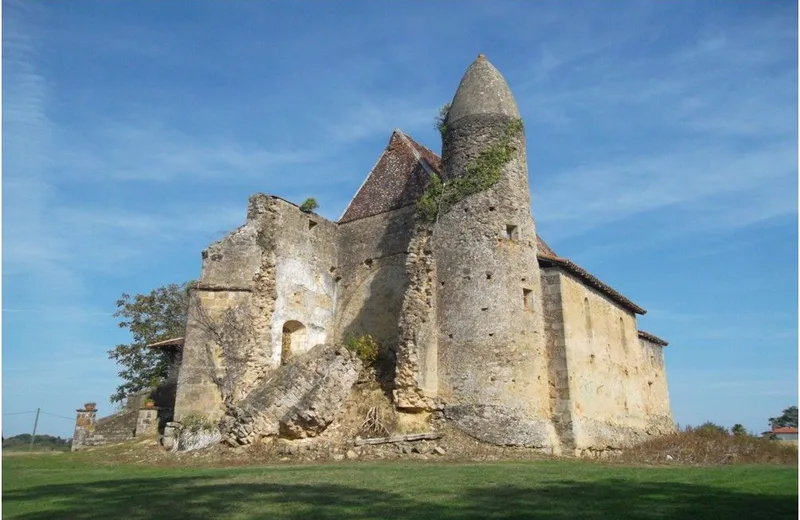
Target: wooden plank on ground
<point>399,438</point>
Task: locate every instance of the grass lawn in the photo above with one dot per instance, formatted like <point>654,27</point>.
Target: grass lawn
<point>72,486</point>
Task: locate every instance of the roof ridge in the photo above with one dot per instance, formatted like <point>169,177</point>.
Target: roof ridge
<point>408,142</point>
<point>414,147</point>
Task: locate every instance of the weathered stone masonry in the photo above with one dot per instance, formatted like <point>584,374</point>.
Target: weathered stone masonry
<point>516,345</point>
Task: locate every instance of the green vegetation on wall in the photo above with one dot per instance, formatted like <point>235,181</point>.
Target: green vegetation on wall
<point>309,205</point>
<point>366,347</point>
<point>441,118</point>
<point>482,173</point>
<point>196,422</point>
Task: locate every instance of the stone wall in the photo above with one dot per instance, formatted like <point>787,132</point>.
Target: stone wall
<point>492,354</point>
<point>654,388</point>
<point>146,422</point>
<point>89,431</point>
<point>607,369</point>
<point>372,275</point>
<point>561,408</point>
<point>229,315</point>
<point>305,281</point>
<point>267,291</point>
<point>85,423</point>
<point>416,372</point>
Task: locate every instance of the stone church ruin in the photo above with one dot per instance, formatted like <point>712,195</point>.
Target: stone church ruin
<point>479,321</point>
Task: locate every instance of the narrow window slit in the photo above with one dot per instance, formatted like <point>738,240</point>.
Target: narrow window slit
<point>527,299</point>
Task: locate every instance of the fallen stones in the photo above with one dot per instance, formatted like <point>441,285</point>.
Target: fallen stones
<point>299,400</point>
<point>189,440</point>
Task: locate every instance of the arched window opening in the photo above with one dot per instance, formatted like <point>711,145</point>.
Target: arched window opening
<point>293,340</point>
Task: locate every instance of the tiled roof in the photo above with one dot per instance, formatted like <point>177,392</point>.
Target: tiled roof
<point>653,338</point>
<point>589,279</point>
<point>397,180</point>
<point>784,429</point>
<point>172,342</point>
<point>542,248</point>
<point>401,175</point>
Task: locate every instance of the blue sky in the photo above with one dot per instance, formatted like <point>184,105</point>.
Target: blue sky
<point>662,143</point>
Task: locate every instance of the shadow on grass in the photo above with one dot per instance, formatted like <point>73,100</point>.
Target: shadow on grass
<point>200,497</point>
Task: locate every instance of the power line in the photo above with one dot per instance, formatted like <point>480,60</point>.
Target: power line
<point>42,412</point>
<point>59,416</point>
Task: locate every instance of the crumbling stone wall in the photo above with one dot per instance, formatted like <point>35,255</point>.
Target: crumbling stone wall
<point>306,247</point>
<point>416,372</point>
<point>299,400</point>
<point>229,316</point>
<point>85,424</point>
<point>272,275</point>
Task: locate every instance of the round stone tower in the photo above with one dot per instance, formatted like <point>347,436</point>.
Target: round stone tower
<point>493,371</point>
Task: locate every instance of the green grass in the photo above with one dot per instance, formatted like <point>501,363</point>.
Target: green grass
<point>72,486</point>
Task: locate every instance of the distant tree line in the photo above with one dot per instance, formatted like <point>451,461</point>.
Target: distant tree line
<point>42,443</point>
<point>788,418</point>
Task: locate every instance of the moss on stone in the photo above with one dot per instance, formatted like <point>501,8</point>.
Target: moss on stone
<point>482,173</point>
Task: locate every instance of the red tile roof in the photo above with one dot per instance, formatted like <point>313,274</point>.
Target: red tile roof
<point>397,180</point>
<point>401,175</point>
<point>784,429</point>
<point>542,248</point>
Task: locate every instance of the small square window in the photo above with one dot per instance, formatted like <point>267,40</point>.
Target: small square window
<point>512,233</point>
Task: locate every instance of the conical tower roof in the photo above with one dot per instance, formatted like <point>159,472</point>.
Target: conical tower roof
<point>482,91</point>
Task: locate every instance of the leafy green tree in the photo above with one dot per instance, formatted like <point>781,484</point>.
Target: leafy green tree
<point>787,418</point>
<point>738,430</point>
<point>156,316</point>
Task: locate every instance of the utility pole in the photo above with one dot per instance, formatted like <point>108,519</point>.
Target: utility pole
<point>35,424</point>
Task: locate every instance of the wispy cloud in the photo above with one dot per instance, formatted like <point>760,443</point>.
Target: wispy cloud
<point>701,98</point>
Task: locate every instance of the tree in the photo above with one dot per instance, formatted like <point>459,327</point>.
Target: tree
<point>738,430</point>
<point>787,418</point>
<point>156,316</point>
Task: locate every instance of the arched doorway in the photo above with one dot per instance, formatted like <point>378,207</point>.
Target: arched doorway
<point>293,340</point>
